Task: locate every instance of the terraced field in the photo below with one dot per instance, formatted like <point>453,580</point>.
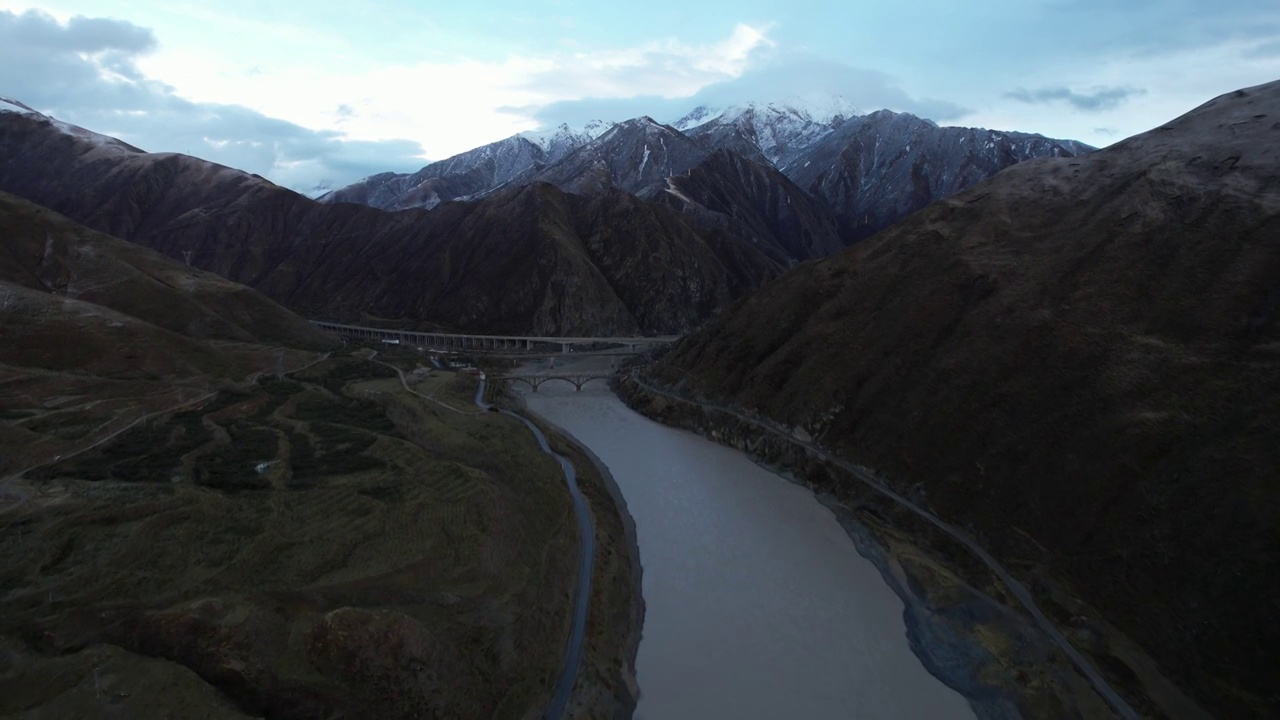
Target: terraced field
<point>325,544</point>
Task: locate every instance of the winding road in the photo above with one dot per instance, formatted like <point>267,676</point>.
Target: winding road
<point>1018,590</point>
<point>582,595</point>
<point>405,383</point>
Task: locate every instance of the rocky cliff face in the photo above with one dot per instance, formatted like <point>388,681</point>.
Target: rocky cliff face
<point>1078,359</point>
<point>531,259</point>
<point>754,202</point>
<point>876,169</point>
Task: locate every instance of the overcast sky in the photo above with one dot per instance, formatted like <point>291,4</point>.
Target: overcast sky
<point>328,92</point>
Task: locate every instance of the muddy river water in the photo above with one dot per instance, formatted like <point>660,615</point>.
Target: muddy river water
<point>757,603</point>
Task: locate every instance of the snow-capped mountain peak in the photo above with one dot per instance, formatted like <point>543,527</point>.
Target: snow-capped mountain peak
<point>561,140</point>
<point>824,110</point>
<point>777,128</point>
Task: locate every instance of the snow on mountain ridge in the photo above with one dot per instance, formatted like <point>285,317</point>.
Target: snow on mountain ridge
<point>824,110</point>
<point>561,140</point>
<point>9,105</point>
<point>776,129</point>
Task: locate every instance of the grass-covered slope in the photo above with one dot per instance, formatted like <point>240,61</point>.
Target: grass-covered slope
<point>305,550</point>
<point>178,520</point>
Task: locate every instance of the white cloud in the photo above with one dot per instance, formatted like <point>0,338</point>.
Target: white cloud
<point>1170,85</point>
<point>85,71</point>
<point>179,90</point>
<point>449,107</point>
<point>784,78</point>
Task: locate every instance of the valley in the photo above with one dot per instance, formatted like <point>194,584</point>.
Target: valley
<point>778,409</point>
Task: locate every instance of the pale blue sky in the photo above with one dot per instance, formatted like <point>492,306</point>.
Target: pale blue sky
<point>315,92</point>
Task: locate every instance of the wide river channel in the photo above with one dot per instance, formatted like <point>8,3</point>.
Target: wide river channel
<point>757,603</point>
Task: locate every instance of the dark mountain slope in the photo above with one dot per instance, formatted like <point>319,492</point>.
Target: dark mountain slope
<point>755,202</point>
<point>48,253</point>
<point>874,170</point>
<point>1079,359</point>
<point>530,259</point>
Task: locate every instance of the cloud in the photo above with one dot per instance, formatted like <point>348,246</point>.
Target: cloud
<point>667,68</point>
<point>1160,27</point>
<point>79,34</point>
<point>1097,99</point>
<point>450,104</point>
<point>85,71</point>
<point>1264,50</point>
<point>117,78</point>
<point>1105,131</point>
<point>788,78</point>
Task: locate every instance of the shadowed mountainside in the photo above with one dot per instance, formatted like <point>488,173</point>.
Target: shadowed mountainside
<point>876,169</point>
<point>753,201</point>
<point>1079,359</point>
<point>46,252</point>
<point>531,259</point>
<point>78,300</point>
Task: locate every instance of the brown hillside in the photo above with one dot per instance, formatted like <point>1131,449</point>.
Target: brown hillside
<point>1082,351</point>
<point>532,258</point>
<point>46,252</point>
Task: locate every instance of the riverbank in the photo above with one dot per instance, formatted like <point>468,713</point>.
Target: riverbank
<point>958,613</point>
<point>606,684</point>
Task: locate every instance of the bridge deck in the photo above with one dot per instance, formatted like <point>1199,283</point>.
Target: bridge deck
<point>551,339</point>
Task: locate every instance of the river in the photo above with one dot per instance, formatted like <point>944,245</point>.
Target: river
<point>757,605</point>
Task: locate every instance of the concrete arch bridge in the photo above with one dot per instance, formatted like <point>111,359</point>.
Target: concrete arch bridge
<point>578,380</point>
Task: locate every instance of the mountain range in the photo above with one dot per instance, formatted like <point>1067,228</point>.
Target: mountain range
<point>868,170</point>
<point>632,228</point>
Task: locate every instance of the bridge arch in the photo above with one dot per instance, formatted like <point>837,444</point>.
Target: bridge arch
<point>582,381</point>
<point>536,381</point>
<point>533,383</point>
<point>571,381</point>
